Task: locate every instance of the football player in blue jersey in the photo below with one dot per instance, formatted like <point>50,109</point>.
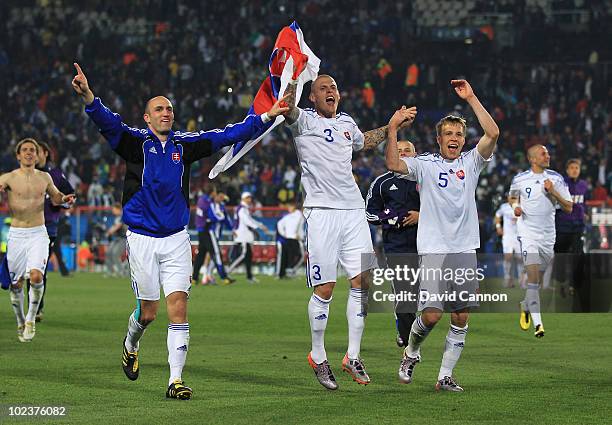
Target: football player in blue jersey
<point>156,210</point>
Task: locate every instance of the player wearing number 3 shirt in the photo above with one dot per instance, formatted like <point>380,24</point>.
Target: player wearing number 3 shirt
<point>336,226</point>
<point>448,234</point>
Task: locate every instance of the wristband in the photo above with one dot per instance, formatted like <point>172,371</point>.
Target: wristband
<point>515,205</point>
<point>498,226</point>
<point>265,117</point>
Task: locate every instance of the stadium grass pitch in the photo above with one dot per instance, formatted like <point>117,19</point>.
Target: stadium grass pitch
<point>247,363</point>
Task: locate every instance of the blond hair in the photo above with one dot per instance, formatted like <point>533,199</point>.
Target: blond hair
<point>451,119</point>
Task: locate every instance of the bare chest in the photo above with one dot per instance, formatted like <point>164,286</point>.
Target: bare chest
<point>28,188</point>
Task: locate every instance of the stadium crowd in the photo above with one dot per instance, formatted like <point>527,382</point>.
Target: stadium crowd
<point>210,57</point>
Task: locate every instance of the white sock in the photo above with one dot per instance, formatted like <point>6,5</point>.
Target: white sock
<point>418,333</point>
<point>318,313</point>
<point>178,344</point>
<point>16,295</point>
<point>547,275</point>
<point>532,301</point>
<point>134,333</point>
<point>507,270</point>
<point>520,270</point>
<point>455,340</point>
<point>356,312</point>
<point>34,296</point>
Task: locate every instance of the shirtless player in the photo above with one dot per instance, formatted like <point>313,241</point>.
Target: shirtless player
<point>28,242</point>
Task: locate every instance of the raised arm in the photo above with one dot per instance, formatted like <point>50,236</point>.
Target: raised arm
<point>487,142</point>
<point>392,159</point>
<point>290,102</point>
<point>204,143</point>
<point>109,123</point>
<point>81,86</point>
<point>373,138</point>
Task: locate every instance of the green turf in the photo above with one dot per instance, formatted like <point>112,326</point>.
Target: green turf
<point>247,363</point>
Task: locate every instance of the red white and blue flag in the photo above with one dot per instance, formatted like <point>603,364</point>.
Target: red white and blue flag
<point>289,57</point>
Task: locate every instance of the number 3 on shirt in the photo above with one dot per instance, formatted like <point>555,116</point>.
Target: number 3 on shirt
<point>328,133</point>
<point>443,179</point>
<point>317,272</point>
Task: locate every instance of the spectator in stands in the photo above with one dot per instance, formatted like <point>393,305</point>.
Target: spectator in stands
<point>573,81</point>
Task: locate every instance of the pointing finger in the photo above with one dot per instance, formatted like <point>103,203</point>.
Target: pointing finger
<point>78,68</point>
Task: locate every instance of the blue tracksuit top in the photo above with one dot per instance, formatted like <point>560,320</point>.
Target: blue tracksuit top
<point>156,184</point>
<point>389,200</point>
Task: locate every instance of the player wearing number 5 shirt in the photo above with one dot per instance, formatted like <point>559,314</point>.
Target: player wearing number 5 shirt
<point>448,234</point>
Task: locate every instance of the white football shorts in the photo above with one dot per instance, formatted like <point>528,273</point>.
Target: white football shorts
<point>539,251</point>
<point>159,263</point>
<point>27,249</point>
<point>511,245</point>
<point>333,236</point>
<point>454,275</point>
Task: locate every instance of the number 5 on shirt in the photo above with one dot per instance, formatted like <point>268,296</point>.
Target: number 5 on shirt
<point>443,179</point>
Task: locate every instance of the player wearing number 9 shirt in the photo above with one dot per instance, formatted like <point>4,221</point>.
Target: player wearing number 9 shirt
<point>539,191</point>
<point>448,234</point>
<point>336,225</point>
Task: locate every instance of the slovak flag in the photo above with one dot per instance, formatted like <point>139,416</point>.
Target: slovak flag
<point>290,56</point>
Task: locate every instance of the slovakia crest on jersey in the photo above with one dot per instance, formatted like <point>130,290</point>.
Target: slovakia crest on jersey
<point>176,157</point>
<point>347,135</point>
<point>460,174</point>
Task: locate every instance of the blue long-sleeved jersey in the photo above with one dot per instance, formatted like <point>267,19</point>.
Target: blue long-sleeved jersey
<point>389,200</point>
<point>156,185</point>
<point>218,217</point>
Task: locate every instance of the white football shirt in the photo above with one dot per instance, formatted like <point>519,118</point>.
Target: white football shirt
<point>246,224</point>
<point>291,226</point>
<point>448,223</point>
<point>506,213</point>
<point>538,219</point>
<point>325,149</point>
